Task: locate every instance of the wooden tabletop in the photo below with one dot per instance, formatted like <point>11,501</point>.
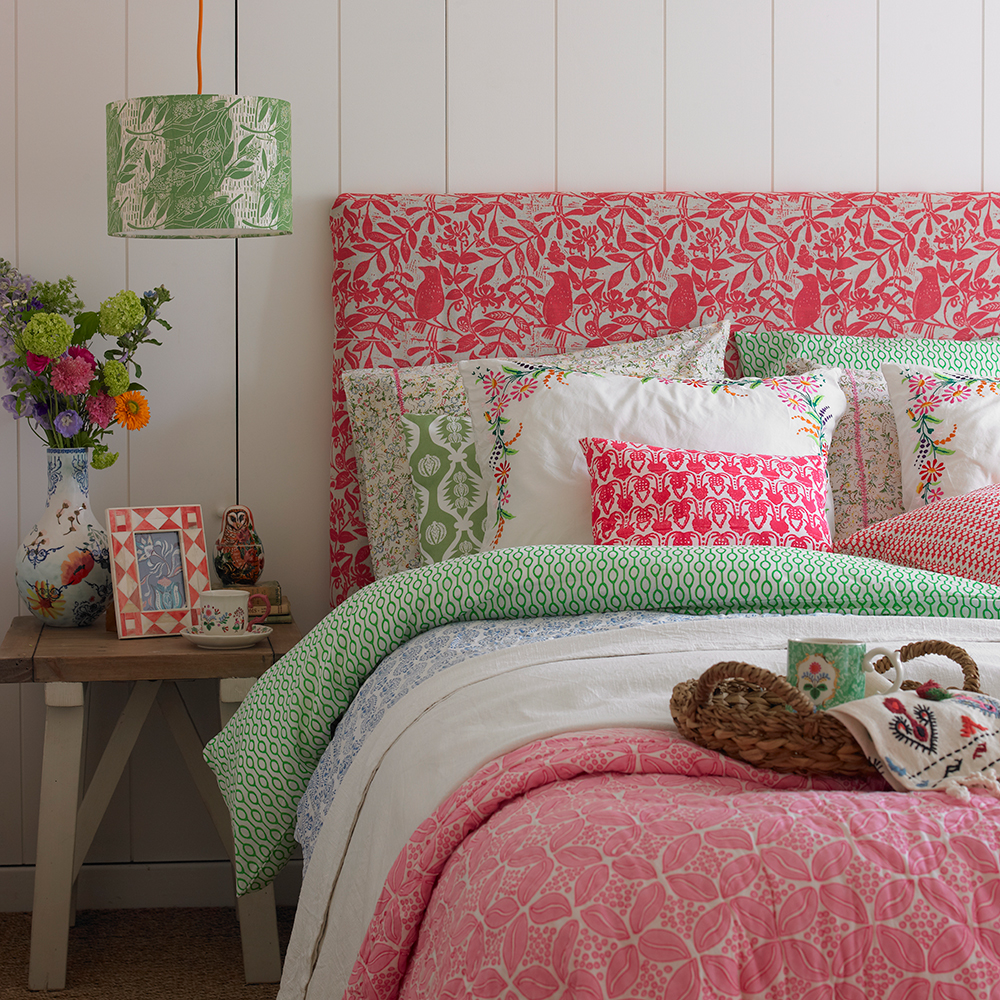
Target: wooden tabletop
<point>31,651</point>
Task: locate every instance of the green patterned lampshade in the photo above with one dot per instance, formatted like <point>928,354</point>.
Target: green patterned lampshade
<point>199,165</point>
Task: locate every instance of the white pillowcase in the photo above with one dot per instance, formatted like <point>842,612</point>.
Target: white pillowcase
<point>528,419</point>
<point>949,432</point>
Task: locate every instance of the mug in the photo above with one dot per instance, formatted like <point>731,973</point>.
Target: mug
<point>227,612</point>
<point>831,671</point>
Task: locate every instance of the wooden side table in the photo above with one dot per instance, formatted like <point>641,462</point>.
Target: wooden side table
<point>65,660</point>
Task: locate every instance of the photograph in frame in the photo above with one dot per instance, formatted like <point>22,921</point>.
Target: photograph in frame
<point>160,566</point>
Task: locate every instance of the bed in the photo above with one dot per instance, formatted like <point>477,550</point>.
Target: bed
<point>584,447</point>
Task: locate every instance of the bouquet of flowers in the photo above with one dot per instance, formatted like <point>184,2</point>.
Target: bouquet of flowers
<point>69,397</point>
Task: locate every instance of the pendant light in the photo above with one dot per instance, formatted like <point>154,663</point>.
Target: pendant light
<point>189,166</point>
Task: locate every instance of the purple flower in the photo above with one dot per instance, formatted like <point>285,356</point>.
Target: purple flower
<point>10,405</point>
<point>68,423</point>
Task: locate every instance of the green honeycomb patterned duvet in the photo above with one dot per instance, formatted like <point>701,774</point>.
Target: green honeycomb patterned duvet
<point>266,755</point>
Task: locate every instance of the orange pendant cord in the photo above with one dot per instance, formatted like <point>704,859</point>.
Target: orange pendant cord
<point>201,18</point>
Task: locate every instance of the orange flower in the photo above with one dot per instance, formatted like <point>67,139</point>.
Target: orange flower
<point>44,600</point>
<point>76,566</point>
<point>132,410</point>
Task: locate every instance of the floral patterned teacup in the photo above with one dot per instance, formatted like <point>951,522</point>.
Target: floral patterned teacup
<point>227,612</point>
<point>831,671</point>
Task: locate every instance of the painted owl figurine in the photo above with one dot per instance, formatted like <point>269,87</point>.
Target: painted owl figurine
<point>239,553</point>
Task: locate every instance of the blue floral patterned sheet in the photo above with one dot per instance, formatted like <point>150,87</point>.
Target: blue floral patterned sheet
<point>423,657</point>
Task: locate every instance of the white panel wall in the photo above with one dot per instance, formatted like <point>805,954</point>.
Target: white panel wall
<point>501,95</point>
<point>392,94</point>
<point>610,73</point>
<point>10,701</point>
<point>408,95</point>
<point>825,95</point>
<point>930,95</point>
<point>717,56</point>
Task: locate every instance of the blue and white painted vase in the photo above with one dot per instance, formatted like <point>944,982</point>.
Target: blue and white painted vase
<point>62,566</point>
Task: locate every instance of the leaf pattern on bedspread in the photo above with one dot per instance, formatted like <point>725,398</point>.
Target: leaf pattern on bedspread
<point>430,278</point>
<point>629,863</point>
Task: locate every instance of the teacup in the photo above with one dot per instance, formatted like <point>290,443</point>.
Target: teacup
<point>831,671</point>
<point>227,612</point>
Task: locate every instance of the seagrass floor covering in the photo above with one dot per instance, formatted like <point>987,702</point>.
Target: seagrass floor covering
<point>162,954</point>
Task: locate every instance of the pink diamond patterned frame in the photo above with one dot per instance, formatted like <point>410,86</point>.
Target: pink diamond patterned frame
<point>160,567</point>
<point>429,278</point>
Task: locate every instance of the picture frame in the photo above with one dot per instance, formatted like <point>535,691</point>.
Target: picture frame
<point>159,562</point>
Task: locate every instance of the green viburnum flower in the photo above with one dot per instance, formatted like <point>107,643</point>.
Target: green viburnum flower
<point>115,377</point>
<point>103,458</point>
<point>46,334</point>
<point>121,314</point>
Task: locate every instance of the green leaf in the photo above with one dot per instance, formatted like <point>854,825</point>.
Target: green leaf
<point>136,387</point>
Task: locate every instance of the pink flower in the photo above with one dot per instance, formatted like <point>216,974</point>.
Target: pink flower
<point>101,408</point>
<point>82,352</point>
<point>922,382</point>
<point>36,362</point>
<point>72,375</point>
<point>955,393</point>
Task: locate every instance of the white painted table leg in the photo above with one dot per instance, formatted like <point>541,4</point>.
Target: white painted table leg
<point>258,921</point>
<point>60,795</point>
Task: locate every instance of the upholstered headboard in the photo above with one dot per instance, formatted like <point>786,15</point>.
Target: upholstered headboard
<point>427,278</point>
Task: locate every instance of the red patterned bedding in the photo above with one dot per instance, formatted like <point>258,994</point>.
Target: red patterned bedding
<point>630,863</point>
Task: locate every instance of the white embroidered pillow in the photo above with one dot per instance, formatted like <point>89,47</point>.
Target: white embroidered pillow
<point>528,418</point>
<point>949,429</point>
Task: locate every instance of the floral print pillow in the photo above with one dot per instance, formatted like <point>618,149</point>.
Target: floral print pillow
<point>449,488</point>
<point>948,427</point>
<point>377,399</point>
<point>529,417</point>
<point>643,495</point>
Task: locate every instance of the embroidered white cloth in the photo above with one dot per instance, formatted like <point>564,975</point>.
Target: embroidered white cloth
<point>923,745</point>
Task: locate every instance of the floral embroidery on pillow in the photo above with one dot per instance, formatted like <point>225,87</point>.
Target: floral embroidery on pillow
<point>644,495</point>
<point>929,396</point>
<point>802,395</point>
<point>948,425</point>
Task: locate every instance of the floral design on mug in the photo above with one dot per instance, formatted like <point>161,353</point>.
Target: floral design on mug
<point>817,678</point>
<point>214,618</point>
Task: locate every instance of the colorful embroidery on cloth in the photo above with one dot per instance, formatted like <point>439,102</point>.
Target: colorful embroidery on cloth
<point>921,742</point>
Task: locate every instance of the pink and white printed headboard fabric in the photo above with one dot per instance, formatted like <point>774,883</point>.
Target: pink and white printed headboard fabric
<point>431,278</point>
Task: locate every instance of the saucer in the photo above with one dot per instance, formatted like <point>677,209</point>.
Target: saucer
<point>220,640</point>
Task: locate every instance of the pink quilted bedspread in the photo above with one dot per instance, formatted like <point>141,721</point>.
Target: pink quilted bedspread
<point>630,863</point>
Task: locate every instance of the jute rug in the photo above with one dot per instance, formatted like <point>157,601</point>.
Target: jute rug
<point>164,954</point>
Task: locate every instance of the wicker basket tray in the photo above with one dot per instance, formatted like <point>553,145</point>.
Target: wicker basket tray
<point>742,711</point>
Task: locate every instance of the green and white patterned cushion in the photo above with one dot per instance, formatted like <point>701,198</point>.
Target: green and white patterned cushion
<point>447,484</point>
<point>378,397</point>
<point>764,355</point>
<point>266,755</point>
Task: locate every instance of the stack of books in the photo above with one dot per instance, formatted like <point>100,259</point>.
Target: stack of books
<point>281,611</point>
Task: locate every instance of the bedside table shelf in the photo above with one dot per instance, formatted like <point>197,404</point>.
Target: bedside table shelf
<point>67,659</point>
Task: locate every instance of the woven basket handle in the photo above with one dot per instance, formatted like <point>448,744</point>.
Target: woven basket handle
<point>736,670</point>
<point>942,648</point>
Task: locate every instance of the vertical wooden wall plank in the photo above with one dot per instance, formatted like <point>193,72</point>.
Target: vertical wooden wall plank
<point>187,453</point>
<point>718,87</point>
<point>283,415</point>
<point>10,701</point>
<point>393,95</point>
<point>62,229</point>
<point>501,95</point>
<point>610,95</point>
<point>930,95</point>
<point>991,95</point>
<point>825,95</point>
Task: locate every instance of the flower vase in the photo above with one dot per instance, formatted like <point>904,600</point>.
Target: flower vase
<point>62,567</point>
